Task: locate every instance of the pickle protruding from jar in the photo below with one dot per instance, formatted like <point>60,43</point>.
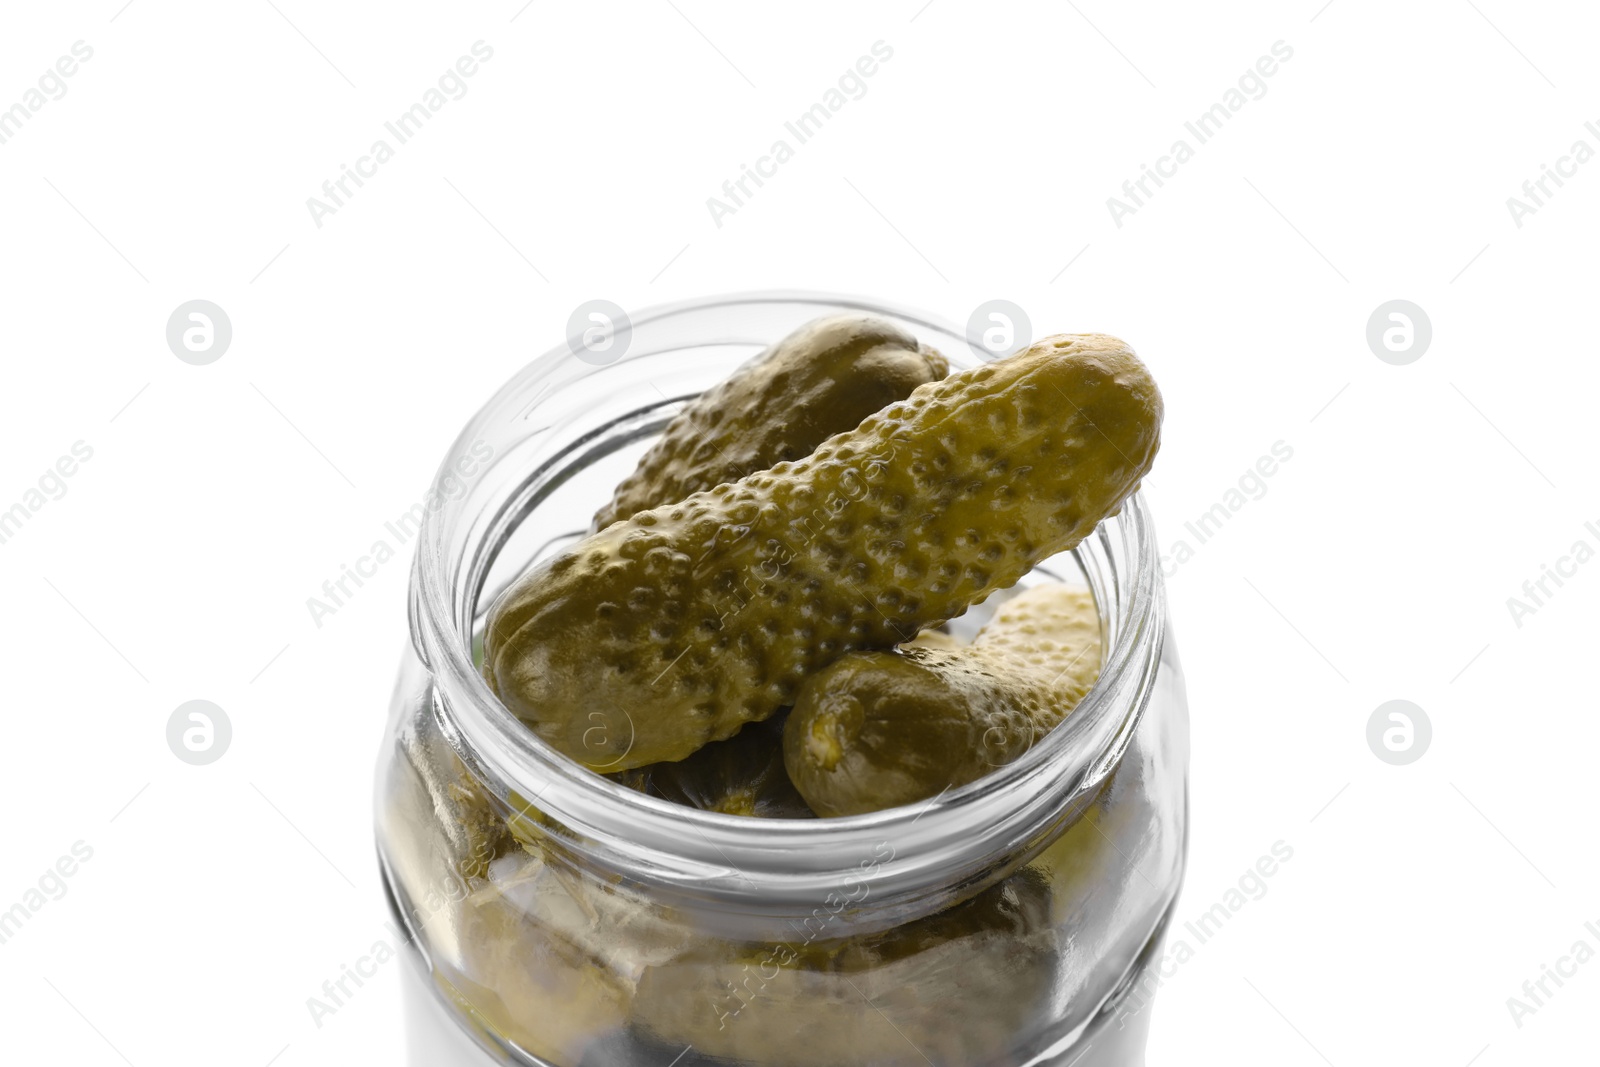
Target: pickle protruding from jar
<point>876,730</point>
<point>820,380</point>
<point>673,628</point>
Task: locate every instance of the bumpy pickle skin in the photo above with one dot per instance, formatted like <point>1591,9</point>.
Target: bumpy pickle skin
<point>673,628</point>
<point>743,775</point>
<point>876,730</point>
<point>822,379</point>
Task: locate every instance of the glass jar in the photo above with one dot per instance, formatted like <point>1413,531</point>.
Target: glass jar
<point>563,919</point>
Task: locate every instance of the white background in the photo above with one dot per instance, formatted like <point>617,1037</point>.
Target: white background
<point>977,165</point>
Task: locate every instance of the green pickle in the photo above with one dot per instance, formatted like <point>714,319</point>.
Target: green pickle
<point>673,628</point>
<point>436,792</point>
<point>952,988</point>
<point>821,380</point>
<point>876,730</point>
<point>550,955</point>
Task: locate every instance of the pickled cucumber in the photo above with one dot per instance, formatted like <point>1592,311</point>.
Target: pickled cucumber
<point>673,628</point>
<point>822,379</point>
<point>524,982</point>
<point>549,960</point>
<point>456,831</point>
<point>956,987</point>
<point>878,729</point>
<point>743,775</point>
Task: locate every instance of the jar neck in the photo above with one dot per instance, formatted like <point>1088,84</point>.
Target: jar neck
<point>887,865</point>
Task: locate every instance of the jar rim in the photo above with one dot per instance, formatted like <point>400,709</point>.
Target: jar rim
<point>960,832</point>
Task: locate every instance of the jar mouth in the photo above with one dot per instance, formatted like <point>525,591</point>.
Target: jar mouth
<point>963,833</point>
